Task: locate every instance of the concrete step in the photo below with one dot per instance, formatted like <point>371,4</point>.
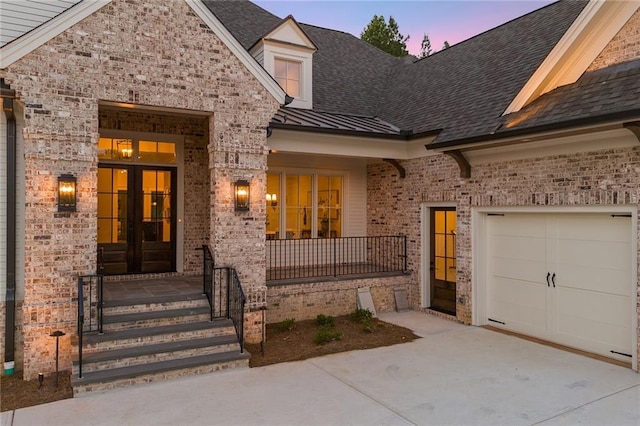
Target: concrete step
<point>94,342</point>
<point>158,303</point>
<point>155,318</point>
<point>162,370</point>
<point>124,357</point>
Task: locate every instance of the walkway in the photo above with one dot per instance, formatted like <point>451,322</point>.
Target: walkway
<point>454,375</point>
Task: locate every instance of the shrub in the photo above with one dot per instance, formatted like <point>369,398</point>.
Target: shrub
<point>325,321</point>
<point>326,334</point>
<point>364,317</point>
<point>361,315</point>
<point>287,324</point>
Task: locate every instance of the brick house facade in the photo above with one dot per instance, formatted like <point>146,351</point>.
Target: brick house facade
<point>73,87</point>
<point>118,54</point>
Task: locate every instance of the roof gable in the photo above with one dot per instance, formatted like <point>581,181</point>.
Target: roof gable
<point>290,32</point>
<point>24,45</point>
<point>589,34</point>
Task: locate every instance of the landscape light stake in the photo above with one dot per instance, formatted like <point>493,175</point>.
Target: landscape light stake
<point>57,334</point>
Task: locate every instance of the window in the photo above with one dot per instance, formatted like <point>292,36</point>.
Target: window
<point>132,150</point>
<point>303,206</point>
<point>287,74</point>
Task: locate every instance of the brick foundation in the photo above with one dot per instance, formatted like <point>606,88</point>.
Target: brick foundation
<point>307,300</point>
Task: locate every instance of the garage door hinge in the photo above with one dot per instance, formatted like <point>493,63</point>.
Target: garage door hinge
<point>621,215</point>
<point>499,322</point>
<point>495,214</point>
<point>620,353</point>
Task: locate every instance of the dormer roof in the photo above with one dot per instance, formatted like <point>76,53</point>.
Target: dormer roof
<point>288,31</point>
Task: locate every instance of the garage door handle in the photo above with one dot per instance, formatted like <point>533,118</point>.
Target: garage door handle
<point>553,279</point>
<point>548,275</point>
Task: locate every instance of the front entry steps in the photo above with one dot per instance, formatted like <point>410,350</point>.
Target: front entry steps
<point>152,339</point>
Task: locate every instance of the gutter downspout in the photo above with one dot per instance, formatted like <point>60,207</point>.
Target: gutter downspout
<point>8,97</point>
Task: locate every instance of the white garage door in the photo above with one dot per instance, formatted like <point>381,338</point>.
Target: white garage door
<point>565,278</point>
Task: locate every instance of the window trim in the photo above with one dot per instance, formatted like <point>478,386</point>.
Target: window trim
<point>273,50</point>
<point>314,174</point>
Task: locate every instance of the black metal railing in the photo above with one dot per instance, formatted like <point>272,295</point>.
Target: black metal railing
<point>90,306</point>
<point>236,302</point>
<point>223,289</point>
<point>334,257</point>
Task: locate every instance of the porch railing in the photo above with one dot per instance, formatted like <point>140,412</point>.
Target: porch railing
<point>335,257</point>
<point>90,305</point>
<point>223,289</point>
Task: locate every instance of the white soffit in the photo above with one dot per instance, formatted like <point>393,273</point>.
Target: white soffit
<point>35,38</point>
<point>236,48</point>
<point>299,142</point>
<point>585,39</point>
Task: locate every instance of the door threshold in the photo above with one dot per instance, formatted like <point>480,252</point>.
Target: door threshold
<point>561,347</point>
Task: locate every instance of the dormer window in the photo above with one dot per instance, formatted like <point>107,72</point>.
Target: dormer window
<point>286,52</point>
<point>287,74</point>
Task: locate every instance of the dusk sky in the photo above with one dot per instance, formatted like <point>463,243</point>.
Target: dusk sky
<point>453,21</point>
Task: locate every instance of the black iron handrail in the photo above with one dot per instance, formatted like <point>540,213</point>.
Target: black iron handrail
<point>93,299</point>
<point>224,292</point>
<point>335,257</point>
<point>236,302</point>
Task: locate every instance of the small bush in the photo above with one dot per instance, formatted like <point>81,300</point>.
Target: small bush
<point>361,315</point>
<point>287,324</point>
<point>325,321</point>
<point>326,334</point>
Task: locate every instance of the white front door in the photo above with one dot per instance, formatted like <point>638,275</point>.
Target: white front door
<point>562,277</point>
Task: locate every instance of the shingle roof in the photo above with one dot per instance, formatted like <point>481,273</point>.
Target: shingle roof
<point>607,91</point>
<point>246,21</point>
<point>465,89</point>
<point>462,90</point>
<point>348,73</point>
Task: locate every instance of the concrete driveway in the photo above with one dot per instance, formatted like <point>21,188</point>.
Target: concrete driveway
<point>455,374</point>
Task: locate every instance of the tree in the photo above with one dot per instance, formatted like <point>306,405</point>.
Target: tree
<point>445,45</point>
<point>425,47</point>
<point>385,36</point>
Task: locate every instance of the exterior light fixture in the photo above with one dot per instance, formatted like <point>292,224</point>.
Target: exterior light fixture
<point>272,200</point>
<point>57,334</point>
<point>241,195</point>
<point>67,193</point>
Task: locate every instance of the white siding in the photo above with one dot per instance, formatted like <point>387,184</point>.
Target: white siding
<point>355,184</point>
<point>259,55</point>
<point>18,17</point>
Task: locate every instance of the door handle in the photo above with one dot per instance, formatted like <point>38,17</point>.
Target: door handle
<point>548,275</point>
<point>553,280</point>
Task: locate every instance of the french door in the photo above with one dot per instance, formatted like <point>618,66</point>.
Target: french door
<point>443,259</point>
<point>136,219</point>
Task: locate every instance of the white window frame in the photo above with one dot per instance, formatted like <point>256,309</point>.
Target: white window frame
<point>303,56</point>
<point>282,202</point>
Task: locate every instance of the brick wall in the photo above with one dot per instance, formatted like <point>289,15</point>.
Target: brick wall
<point>152,53</point>
<point>606,177</point>
<point>624,47</point>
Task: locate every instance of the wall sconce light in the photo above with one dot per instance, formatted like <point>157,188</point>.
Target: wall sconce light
<point>272,200</point>
<point>241,192</point>
<point>67,193</point>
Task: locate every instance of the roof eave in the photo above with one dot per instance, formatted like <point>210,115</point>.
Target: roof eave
<point>544,131</point>
<point>405,135</point>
